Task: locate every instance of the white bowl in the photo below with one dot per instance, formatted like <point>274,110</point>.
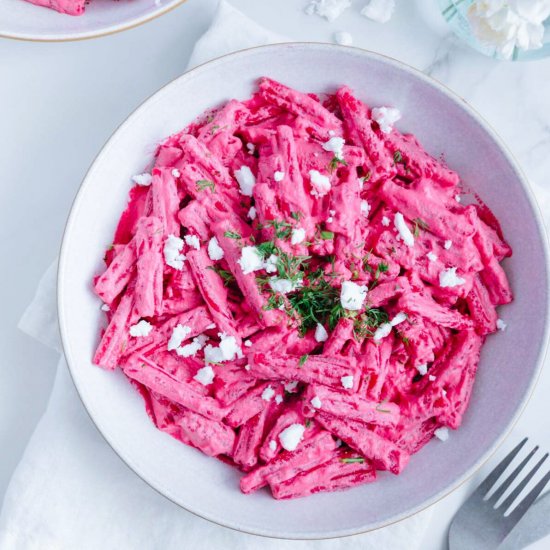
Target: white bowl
<point>510,361</point>
<point>25,21</point>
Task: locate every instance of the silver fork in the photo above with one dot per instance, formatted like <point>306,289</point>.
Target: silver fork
<point>479,524</point>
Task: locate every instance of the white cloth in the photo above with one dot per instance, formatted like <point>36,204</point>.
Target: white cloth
<point>71,490</point>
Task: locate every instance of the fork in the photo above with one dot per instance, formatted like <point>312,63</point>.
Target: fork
<point>479,524</point>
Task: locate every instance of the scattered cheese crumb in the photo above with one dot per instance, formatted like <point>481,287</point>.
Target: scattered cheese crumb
<point>251,148</point>
<point>105,307</point>
<point>251,260</point>
<point>211,326</point>
<point>398,319</point>
<point>284,286</point>
<point>431,377</point>
<point>205,375</point>
<point>290,387</point>
<point>320,183</point>
<point>215,251</point>
<point>179,334</point>
<point>458,198</point>
<point>352,295</point>
<point>193,241</point>
<point>442,434</point>
<point>290,437</point>
<point>347,381</point>
<point>278,399</point>
<point>176,173</point>
<point>385,221</point>
<point>298,235</point>
<point>422,369</point>
<point>270,264</point>
<point>329,9</point>
<point>190,350</point>
<point>365,207</point>
<point>278,176</point>
<point>448,244</point>
<point>227,350</point>
<point>172,252</point>
<point>335,145</point>
<point>268,393</point>
<point>431,256</point>
<point>321,334</point>
<point>402,228</point>
<point>247,367</point>
<point>272,445</point>
<point>449,279</point>
<point>386,117</point>
<point>252,213</point>
<point>380,11</point>
<point>381,332</point>
<point>248,343</point>
<point>143,179</point>
<point>316,402</point>
<point>501,325</point>
<point>143,328</point>
<point>343,38</point>
<point>246,180</point>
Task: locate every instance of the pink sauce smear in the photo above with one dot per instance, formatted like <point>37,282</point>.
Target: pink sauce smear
<point>299,293</point>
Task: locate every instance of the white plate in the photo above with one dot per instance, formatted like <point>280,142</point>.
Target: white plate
<point>510,361</point>
<point>25,21</point>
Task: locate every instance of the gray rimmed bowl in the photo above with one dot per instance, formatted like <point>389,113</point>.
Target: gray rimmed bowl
<point>510,362</point>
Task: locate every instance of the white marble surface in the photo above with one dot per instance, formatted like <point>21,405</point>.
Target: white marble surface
<point>60,102</point>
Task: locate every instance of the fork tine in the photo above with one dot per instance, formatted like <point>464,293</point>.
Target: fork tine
<point>491,479</point>
<point>524,505</point>
<point>509,480</point>
<point>514,494</point>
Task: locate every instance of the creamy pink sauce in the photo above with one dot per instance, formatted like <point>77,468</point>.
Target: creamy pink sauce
<point>300,294</point>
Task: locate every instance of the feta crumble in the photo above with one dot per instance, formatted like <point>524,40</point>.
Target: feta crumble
<point>386,117</point>
<point>143,328</point>
<point>211,326</point>
<point>422,369</point>
<point>192,241</point>
<point>321,334</point>
<point>380,11</point>
<point>179,334</point>
<point>365,208</point>
<point>398,319</point>
<point>290,387</point>
<point>228,350</point>
<point>284,286</point>
<point>352,295</point>
<point>143,179</point>
<point>205,375</point>
<point>251,148</point>
<point>320,183</point>
<point>105,307</point>
<point>501,325</point>
<point>449,279</point>
<point>270,264</point>
<point>290,437</point>
<point>448,244</point>
<point>248,343</point>
<point>190,350</point>
<point>215,251</point>
<point>431,377</point>
<point>268,393</point>
<point>381,332</point>
<point>335,145</point>
<point>278,176</point>
<point>403,229</point>
<point>273,445</point>
<point>176,173</point>
<point>172,252</point>
<point>343,38</point>
<point>316,402</point>
<point>458,198</point>
<point>442,434</point>
<point>251,260</point>
<point>278,399</point>
<point>329,9</point>
<point>298,235</point>
<point>385,221</point>
<point>252,213</point>
<point>347,381</point>
<point>246,180</point>
<point>431,256</point>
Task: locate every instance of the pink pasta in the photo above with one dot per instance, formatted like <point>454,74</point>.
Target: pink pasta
<point>299,291</point>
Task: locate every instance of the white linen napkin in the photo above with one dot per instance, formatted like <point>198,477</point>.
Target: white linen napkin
<point>71,490</point>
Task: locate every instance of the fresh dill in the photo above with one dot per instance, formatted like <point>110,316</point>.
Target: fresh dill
<point>205,184</point>
<point>335,163</point>
<point>227,276</point>
<point>303,360</point>
<point>353,460</point>
<point>232,235</point>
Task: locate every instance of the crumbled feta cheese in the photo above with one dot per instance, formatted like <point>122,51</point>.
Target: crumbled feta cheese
<point>205,375</point>
<point>347,381</point>
<point>143,179</point>
<point>279,176</point>
<point>105,307</point>
<point>365,207</point>
<point>247,367</point>
<point>215,251</point>
<point>246,180</point>
<point>329,9</point>
<point>211,326</point>
<point>343,38</point>
<point>330,219</point>
<point>229,347</point>
<point>320,183</point>
<point>193,241</point>
<point>143,328</point>
<point>251,260</point>
<point>382,331</point>
<point>448,244</point>
<point>298,235</point>
<point>190,350</point>
<point>403,229</point>
<point>385,221</point>
<point>176,173</point>
<point>458,198</point>
<point>380,11</point>
<point>332,212</point>
<point>442,434</point>
<point>270,264</point>
<point>268,393</point>
<point>179,334</point>
<point>321,334</point>
<point>501,325</point>
<point>248,343</point>
<point>290,437</point>
<point>431,377</point>
<point>290,387</point>
<point>278,399</point>
<point>449,279</point>
<point>398,319</point>
<point>213,354</point>
<point>352,295</point>
<point>335,145</point>
<point>284,286</point>
<point>422,369</point>
<point>172,252</point>
<point>251,148</point>
<point>386,117</point>
<point>252,213</point>
<point>431,256</point>
<point>273,445</point>
<point>316,402</point>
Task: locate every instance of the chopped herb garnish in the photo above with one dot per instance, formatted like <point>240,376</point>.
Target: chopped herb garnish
<point>353,460</point>
<point>327,235</point>
<point>282,228</point>
<point>232,235</point>
<point>397,157</point>
<point>303,360</point>
<point>418,225</point>
<point>214,129</point>
<point>205,184</point>
<point>308,423</point>
<point>297,215</point>
<point>380,409</point>
<point>335,162</point>
<point>227,276</point>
